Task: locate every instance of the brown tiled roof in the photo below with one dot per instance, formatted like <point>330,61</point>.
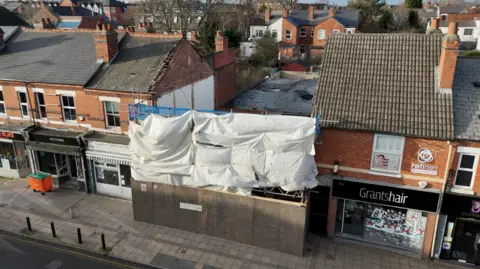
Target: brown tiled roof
<point>384,83</point>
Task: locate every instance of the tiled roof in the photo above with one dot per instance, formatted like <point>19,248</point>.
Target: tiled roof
<point>466,99</point>
<point>63,58</point>
<point>136,66</point>
<point>384,83</point>
<point>349,18</point>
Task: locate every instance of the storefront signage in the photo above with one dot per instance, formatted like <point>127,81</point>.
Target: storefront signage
<point>461,205</point>
<point>424,156</point>
<point>68,141</point>
<point>13,136</point>
<point>192,207</point>
<point>386,195</point>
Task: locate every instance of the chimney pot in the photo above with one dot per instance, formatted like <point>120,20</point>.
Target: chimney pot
<point>221,42</point>
<point>331,12</point>
<point>267,15</point>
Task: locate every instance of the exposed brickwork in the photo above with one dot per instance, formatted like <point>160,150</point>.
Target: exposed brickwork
<point>106,43</point>
<point>354,149</point>
<point>286,25</point>
<point>328,25</point>
<point>308,39</point>
<point>294,67</point>
<point>225,86</point>
<point>448,57</point>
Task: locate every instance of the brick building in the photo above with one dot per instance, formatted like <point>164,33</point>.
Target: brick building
<point>66,94</point>
<point>303,32</point>
<point>386,138</point>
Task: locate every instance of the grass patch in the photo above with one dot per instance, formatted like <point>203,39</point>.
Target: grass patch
<point>27,232</point>
<point>105,251</point>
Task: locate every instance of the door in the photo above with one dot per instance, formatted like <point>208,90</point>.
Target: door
<point>319,197</point>
<point>142,201</point>
<point>107,179</point>
<point>125,182</point>
<point>353,218</point>
<point>463,248</point>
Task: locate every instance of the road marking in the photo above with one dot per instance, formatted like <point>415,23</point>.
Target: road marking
<point>73,253</point>
<point>54,265</point>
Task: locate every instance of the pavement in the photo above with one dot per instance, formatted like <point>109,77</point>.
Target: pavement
<point>164,247</point>
<point>27,253</point>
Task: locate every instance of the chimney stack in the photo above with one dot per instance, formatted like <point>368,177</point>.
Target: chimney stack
<point>434,23</point>
<point>284,13</point>
<point>311,10</point>
<point>74,13</point>
<point>106,42</point>
<point>448,57</point>
<point>331,12</point>
<point>267,15</point>
<point>2,41</point>
<point>221,42</point>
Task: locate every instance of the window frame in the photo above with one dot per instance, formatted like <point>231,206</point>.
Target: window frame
<point>288,34</point>
<point>40,105</point>
<point>335,31</point>
<point>23,104</point>
<point>302,47</point>
<point>473,170</point>
<point>323,34</point>
<point>468,29</point>
<point>312,32</point>
<point>68,107</point>
<point>349,31</point>
<point>303,32</point>
<point>275,34</point>
<point>258,35</point>
<point>375,139</point>
<point>106,115</point>
<point>2,102</point>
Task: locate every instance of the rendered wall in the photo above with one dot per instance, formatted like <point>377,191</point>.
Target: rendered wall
<point>262,222</point>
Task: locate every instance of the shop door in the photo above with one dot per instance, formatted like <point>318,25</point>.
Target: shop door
<point>354,218</point>
<point>319,209</point>
<point>125,181</point>
<point>108,182</point>
<point>463,248</point>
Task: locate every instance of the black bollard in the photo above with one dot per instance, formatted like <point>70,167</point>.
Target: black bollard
<point>52,225</point>
<point>103,242</point>
<point>29,225</point>
<point>79,234</point>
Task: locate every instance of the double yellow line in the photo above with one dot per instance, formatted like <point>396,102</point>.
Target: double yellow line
<point>70,252</point>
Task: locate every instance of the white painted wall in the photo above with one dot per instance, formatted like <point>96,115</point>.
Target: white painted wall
<point>199,95</point>
<point>350,29</point>
<point>277,26</point>
<point>246,49</point>
<point>254,28</point>
<point>460,31</point>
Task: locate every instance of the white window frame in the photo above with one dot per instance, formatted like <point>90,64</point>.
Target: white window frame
<point>349,31</point>
<point>106,9</point>
<point>303,32</point>
<point>312,32</point>
<point>335,31</point>
<point>3,102</point>
<point>40,105</point>
<point>473,170</point>
<point>464,31</point>
<point>275,33</point>
<point>23,104</point>
<point>387,152</point>
<point>302,47</point>
<point>288,34</point>
<point>106,115</point>
<point>259,33</point>
<point>322,35</point>
<point>68,107</point>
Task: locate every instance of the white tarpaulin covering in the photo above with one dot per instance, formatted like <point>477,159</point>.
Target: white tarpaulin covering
<point>238,151</point>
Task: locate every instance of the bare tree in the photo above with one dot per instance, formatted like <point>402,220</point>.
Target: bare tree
<point>289,4</point>
<point>160,12</point>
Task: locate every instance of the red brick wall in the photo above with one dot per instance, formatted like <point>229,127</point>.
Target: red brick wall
<point>225,84</point>
<point>223,58</point>
<point>294,67</point>
<point>354,150</point>
<point>185,67</point>
<point>328,25</point>
<point>308,39</point>
<point>91,22</point>
<point>286,25</point>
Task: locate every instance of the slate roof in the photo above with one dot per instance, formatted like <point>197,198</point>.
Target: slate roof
<point>462,23</point>
<point>63,58</point>
<point>67,11</point>
<point>466,99</point>
<point>137,65</point>
<point>384,83</point>
<point>349,18</point>
<point>279,96</point>
<point>451,9</point>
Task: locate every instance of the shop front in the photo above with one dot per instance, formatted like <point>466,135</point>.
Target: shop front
<point>59,153</point>
<point>108,159</point>
<point>383,214</point>
<point>13,158</point>
<point>461,230</point>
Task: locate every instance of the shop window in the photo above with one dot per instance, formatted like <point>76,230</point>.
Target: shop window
<point>468,31</point>
<point>466,170</point>
<point>288,34</point>
<point>68,108</point>
<point>321,34</point>
<point>8,156</point>
<point>106,175</point>
<point>42,111</point>
<point>3,111</point>
<point>112,115</point>
<point>22,99</point>
<point>387,153</point>
<point>303,32</point>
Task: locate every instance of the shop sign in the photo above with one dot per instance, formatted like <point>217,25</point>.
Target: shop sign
<point>68,141</point>
<point>425,156</point>
<point>10,135</point>
<point>192,207</point>
<point>461,205</point>
<point>385,195</point>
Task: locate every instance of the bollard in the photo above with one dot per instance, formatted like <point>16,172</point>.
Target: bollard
<point>79,234</point>
<point>29,225</point>
<point>52,225</point>
<point>103,242</point>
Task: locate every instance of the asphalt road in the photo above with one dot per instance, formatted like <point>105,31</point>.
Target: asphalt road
<point>19,252</point>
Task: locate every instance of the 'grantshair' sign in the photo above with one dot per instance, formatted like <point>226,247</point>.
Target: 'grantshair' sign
<point>386,195</point>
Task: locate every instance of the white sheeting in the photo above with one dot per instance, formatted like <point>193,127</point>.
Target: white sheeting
<point>231,151</point>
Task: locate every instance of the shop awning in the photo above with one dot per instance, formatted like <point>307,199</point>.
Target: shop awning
<point>104,158</point>
<point>54,148</point>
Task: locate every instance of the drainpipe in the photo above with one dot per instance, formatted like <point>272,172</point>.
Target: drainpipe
<point>447,173</point>
<point>81,141</point>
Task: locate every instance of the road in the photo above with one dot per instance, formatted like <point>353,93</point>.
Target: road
<point>21,252</point>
